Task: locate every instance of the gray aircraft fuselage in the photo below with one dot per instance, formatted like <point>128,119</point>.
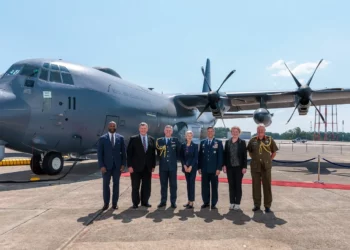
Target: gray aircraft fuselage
<point>69,118</point>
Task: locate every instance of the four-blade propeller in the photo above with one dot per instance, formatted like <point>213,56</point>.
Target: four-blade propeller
<point>304,92</point>
<point>214,96</point>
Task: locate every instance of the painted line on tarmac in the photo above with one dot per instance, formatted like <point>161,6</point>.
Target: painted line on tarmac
<point>273,183</point>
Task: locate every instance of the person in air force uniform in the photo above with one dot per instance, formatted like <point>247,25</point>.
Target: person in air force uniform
<point>168,149</point>
<point>111,160</point>
<point>262,149</point>
<point>210,161</point>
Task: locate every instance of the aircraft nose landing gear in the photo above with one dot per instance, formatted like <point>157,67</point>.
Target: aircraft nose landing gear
<point>51,164</point>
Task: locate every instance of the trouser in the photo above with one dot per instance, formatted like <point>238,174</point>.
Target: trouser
<point>115,174</point>
<point>142,179</point>
<point>165,178</point>
<point>207,180</point>
<point>191,184</point>
<point>265,176</point>
<point>234,177</point>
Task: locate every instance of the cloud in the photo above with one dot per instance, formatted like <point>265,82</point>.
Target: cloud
<point>298,70</point>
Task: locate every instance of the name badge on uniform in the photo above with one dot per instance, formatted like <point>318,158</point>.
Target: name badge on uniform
<point>215,145</point>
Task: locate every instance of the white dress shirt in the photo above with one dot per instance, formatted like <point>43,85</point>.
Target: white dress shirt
<point>146,139</point>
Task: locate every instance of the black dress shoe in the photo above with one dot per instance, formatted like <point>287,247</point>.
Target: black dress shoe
<point>214,207</point>
<point>186,205</point>
<point>135,206</point>
<point>147,205</point>
<point>205,206</point>
<point>115,207</point>
<point>267,210</point>
<point>161,205</point>
<point>173,205</point>
<point>189,206</point>
<point>255,208</point>
<point>105,207</point>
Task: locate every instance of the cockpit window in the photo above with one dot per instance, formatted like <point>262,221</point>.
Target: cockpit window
<point>54,67</point>
<point>55,76</point>
<point>44,74</point>
<point>13,70</point>
<point>29,70</point>
<point>46,65</point>
<point>67,78</point>
<point>64,69</point>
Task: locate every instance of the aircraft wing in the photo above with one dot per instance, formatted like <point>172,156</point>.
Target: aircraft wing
<point>236,115</point>
<point>273,99</point>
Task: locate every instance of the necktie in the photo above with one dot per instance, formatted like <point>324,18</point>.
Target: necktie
<point>166,140</point>
<point>112,139</point>
<point>209,142</point>
<point>144,143</point>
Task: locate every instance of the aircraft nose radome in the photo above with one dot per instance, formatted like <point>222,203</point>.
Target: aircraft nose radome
<point>14,116</point>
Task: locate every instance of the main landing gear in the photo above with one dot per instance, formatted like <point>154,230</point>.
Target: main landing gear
<point>51,163</point>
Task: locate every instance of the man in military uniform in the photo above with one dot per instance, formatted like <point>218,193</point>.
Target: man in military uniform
<point>210,160</point>
<point>262,149</point>
<point>168,149</point>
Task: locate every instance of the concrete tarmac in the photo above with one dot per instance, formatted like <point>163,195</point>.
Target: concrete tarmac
<point>66,214</point>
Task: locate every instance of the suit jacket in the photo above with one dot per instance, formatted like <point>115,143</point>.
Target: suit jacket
<point>242,153</point>
<point>107,154</point>
<point>168,154</point>
<point>210,157</point>
<point>137,157</point>
<point>189,157</point>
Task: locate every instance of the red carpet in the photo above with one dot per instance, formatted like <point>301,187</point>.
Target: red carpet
<point>274,183</point>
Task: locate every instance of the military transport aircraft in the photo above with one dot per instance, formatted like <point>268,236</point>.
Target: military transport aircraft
<point>53,107</point>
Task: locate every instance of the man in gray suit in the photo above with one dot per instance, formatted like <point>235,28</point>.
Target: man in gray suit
<point>111,160</point>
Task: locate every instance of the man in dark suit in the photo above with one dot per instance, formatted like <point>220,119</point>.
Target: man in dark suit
<point>111,160</point>
<point>141,161</point>
<point>168,150</point>
<point>210,160</point>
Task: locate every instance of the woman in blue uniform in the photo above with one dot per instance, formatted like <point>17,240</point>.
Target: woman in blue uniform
<point>189,159</point>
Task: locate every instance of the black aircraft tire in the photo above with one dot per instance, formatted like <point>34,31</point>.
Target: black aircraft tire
<point>53,163</point>
<point>35,165</point>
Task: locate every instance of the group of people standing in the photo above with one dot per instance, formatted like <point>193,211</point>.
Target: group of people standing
<point>208,159</point>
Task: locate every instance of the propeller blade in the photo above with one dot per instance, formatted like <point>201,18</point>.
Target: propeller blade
<point>331,89</point>
<point>295,79</point>
<point>293,112</point>
<point>227,77</point>
<point>308,83</point>
<point>205,79</point>
<point>205,108</point>
<point>319,112</point>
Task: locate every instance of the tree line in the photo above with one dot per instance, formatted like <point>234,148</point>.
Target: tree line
<point>221,132</point>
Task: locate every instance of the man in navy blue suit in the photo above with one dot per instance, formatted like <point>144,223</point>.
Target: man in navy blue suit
<point>210,160</point>
<point>111,160</point>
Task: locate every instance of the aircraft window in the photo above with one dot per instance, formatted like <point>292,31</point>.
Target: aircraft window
<point>29,70</point>
<point>67,78</point>
<point>55,77</point>
<point>44,74</point>
<point>46,65</point>
<point>13,70</point>
<point>64,69</point>
<point>54,67</point>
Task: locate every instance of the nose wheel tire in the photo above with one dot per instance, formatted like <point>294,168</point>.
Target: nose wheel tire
<point>53,163</point>
<point>35,165</point>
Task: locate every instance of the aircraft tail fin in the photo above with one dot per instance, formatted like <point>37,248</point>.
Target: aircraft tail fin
<point>206,80</point>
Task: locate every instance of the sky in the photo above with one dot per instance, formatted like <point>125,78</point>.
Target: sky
<point>163,44</point>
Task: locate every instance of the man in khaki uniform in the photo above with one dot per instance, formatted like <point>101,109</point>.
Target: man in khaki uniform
<point>262,149</point>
